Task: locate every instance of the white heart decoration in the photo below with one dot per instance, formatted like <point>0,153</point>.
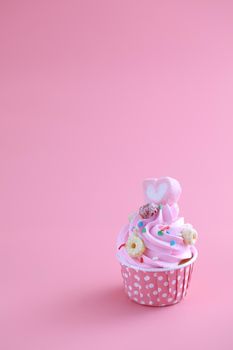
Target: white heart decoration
<point>158,194</point>
<point>165,190</point>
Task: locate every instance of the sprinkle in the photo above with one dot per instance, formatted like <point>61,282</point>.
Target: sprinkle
<point>168,232</point>
<point>165,228</point>
<point>140,224</point>
<point>172,242</point>
<point>143,230</point>
<point>141,259</point>
<point>155,258</point>
<point>160,233</point>
<point>122,245</point>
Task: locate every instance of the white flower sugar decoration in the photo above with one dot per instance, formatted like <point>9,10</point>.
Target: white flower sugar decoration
<point>189,234</point>
<point>135,246</point>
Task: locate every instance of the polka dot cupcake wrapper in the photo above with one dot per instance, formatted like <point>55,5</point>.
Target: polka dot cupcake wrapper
<point>157,288</point>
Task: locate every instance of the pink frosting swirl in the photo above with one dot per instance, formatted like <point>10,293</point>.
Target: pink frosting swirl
<point>161,234</point>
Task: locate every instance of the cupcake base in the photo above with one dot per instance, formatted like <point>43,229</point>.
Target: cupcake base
<point>157,287</point>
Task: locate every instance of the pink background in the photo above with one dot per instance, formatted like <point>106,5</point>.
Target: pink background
<point>94,97</point>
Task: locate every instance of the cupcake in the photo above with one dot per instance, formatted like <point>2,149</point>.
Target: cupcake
<point>156,248</point>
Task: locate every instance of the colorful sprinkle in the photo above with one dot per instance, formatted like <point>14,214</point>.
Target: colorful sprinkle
<point>160,233</point>
<point>140,224</point>
<point>122,245</point>
<point>165,228</point>
<point>168,232</point>
<point>143,230</point>
<point>172,242</point>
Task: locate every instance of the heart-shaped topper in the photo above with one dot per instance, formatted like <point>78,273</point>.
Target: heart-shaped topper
<point>165,190</point>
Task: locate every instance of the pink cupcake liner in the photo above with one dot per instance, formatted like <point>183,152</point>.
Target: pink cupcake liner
<point>159,286</point>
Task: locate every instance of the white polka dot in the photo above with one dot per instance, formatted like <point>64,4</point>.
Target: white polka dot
<point>136,292</point>
<point>159,289</point>
<point>129,294</point>
<point>151,285</point>
<point>174,292</point>
<point>151,302</point>
<point>141,295</point>
<point>169,300</point>
<point>142,302</point>
<point>165,284</point>
<point>135,299</point>
<point>173,281</point>
<point>170,290</point>
<point>126,275</point>
<point>178,294</point>
<point>158,299</point>
<point>137,277</point>
<point>163,304</point>
<point>130,288</point>
<point>179,277</point>
<point>171,272</point>
<point>148,294</point>
<point>160,278</point>
<point>155,292</point>
<point>164,295</point>
<point>137,285</point>
<point>146,278</point>
<point>155,274</point>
